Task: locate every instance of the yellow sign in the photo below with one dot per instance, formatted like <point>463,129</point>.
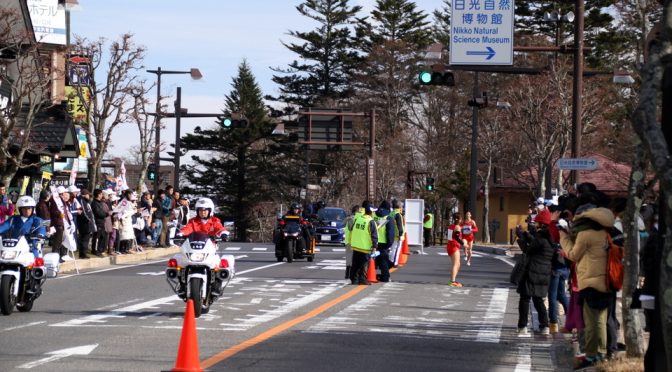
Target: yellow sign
<point>79,98</point>
<point>82,149</point>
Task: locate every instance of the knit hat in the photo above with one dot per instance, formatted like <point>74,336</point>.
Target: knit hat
<point>543,217</point>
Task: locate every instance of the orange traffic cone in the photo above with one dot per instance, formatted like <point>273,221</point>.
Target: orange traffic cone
<point>404,246</point>
<point>403,258</point>
<point>371,273</point>
<point>187,352</point>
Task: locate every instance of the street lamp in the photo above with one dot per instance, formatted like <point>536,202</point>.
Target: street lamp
<point>196,75</point>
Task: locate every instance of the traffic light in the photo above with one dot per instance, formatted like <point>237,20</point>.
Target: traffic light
<point>151,172</point>
<point>230,122</point>
<point>436,78</point>
<point>429,184</point>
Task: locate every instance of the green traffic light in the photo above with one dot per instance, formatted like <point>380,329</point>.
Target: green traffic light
<point>425,77</point>
<point>227,122</point>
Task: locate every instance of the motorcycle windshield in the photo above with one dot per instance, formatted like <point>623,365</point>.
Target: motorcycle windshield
<point>292,227</point>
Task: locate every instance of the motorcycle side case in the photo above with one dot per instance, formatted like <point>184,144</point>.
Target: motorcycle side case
<point>52,264</point>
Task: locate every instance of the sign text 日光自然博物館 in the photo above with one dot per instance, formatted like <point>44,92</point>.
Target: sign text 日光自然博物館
<point>481,32</point>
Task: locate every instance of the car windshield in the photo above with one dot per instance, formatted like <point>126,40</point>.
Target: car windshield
<point>331,214</point>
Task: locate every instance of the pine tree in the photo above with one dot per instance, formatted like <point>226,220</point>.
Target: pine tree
<point>240,170</point>
<point>326,56</point>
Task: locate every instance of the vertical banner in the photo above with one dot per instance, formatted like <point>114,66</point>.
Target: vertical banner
<point>73,172</point>
<point>24,185</point>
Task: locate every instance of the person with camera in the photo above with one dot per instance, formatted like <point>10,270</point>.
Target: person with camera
<point>537,274</point>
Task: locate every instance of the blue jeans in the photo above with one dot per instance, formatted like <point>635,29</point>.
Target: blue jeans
<point>556,293</point>
<point>157,230</point>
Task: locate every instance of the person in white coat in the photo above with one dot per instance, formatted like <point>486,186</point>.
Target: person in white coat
<point>125,210</point>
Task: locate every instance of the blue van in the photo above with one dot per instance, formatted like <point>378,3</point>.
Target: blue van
<point>330,226</point>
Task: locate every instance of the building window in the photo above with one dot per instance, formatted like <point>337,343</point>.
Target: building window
<point>501,204</point>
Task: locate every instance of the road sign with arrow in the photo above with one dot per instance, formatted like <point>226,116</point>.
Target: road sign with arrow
<point>481,32</point>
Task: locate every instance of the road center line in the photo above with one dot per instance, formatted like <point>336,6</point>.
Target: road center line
<point>282,327</point>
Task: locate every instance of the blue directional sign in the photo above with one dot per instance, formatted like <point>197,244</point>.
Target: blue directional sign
<point>481,32</point>
<point>577,164</point>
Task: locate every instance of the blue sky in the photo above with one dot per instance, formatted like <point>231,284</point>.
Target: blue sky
<point>212,35</point>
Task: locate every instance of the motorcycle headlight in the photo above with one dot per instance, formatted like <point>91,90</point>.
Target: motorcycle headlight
<point>197,257</point>
<point>8,255</point>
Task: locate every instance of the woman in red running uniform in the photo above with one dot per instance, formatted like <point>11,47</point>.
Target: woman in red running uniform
<point>453,248</point>
<point>468,229</point>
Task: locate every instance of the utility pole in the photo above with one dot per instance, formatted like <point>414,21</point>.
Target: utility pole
<point>577,89</point>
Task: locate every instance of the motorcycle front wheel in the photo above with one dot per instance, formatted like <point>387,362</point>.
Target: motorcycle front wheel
<point>7,299</point>
<point>289,250</point>
<point>26,307</point>
<point>195,294</point>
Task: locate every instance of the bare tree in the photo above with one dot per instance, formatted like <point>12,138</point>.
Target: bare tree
<point>112,92</point>
<point>146,129</point>
<point>30,92</point>
<point>646,124</point>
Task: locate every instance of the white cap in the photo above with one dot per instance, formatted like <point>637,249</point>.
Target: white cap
<point>108,192</point>
<point>540,200</point>
<point>114,197</point>
<point>61,190</point>
<point>73,188</point>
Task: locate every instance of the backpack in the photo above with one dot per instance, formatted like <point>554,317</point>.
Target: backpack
<point>615,271</point>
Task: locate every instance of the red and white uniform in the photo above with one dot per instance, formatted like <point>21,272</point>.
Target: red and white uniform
<point>454,236</point>
<point>212,226</point>
<point>468,229</point>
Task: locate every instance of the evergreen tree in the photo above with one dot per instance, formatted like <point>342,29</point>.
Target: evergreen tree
<point>240,170</point>
<point>395,39</point>
<point>326,56</point>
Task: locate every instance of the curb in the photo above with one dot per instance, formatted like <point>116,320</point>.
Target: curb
<point>498,250</point>
<point>97,262</point>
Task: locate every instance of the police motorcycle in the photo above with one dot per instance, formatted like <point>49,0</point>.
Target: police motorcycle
<point>290,242</point>
<point>22,275</point>
<point>198,272</point>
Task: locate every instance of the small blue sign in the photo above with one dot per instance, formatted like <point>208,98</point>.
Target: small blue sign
<point>577,164</point>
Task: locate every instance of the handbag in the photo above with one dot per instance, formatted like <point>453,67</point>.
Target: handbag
<point>518,269</point>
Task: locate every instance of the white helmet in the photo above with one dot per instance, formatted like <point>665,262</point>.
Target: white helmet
<point>61,190</point>
<point>73,188</point>
<point>205,203</point>
<point>26,202</point>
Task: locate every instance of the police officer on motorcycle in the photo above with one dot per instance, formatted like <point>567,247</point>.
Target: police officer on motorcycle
<point>204,221</point>
<point>306,226</point>
<point>26,223</point>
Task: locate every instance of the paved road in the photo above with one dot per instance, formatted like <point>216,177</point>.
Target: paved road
<point>281,317</point>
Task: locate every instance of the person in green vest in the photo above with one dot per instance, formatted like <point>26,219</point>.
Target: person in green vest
<point>349,221</point>
<point>363,239</point>
<point>398,216</point>
<point>427,226</point>
<point>385,227</point>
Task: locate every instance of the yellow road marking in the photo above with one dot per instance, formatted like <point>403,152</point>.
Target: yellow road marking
<point>274,331</point>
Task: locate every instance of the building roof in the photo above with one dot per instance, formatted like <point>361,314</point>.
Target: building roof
<point>54,131</point>
<point>610,177</point>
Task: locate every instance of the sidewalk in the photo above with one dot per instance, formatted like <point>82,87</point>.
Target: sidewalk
<point>96,262</point>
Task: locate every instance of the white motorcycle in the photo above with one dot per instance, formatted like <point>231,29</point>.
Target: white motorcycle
<point>199,273</point>
<point>22,275</point>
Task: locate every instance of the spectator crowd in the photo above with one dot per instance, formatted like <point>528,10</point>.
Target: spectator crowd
<point>105,222</point>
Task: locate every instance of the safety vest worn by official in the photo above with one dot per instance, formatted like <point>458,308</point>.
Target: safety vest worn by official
<point>430,222</point>
<point>360,237</point>
<point>381,223</point>
<point>395,212</point>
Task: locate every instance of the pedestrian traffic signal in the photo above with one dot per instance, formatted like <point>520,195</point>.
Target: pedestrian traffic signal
<point>230,122</point>
<point>429,184</point>
<point>151,172</point>
<point>436,78</point>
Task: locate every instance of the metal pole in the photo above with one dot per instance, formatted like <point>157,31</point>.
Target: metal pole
<point>157,134</point>
<point>579,8</point>
<point>473,174</point>
<point>371,166</point>
<point>178,115</point>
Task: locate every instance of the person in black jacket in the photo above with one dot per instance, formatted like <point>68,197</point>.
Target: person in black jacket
<point>101,214</point>
<point>86,223</point>
<point>537,275</point>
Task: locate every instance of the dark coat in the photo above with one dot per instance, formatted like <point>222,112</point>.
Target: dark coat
<point>537,274</point>
<point>102,215</point>
<point>86,223</point>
